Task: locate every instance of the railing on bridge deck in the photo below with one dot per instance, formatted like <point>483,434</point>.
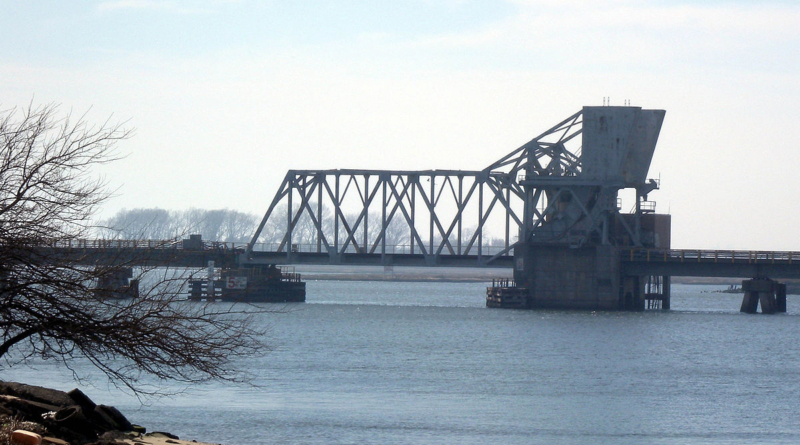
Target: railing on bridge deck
<point>170,252</point>
<point>140,244</point>
<point>399,249</point>
<point>173,244</point>
<point>632,254</point>
<point>710,256</point>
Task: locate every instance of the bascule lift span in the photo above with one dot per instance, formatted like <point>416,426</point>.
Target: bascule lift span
<point>558,195</point>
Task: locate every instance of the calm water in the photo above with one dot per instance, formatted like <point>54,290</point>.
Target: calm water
<point>422,363</point>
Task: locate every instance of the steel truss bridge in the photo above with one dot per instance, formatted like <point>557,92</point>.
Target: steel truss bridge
<point>444,217</point>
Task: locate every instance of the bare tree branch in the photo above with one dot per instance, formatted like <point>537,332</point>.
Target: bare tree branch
<point>51,306</point>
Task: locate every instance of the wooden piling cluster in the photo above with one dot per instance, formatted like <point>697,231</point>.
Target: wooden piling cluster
<point>504,293</point>
<point>258,284</point>
<point>117,284</point>
<point>655,301</point>
<point>770,294</point>
<point>657,292</point>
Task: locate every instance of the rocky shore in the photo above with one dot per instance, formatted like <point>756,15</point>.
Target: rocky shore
<point>33,415</point>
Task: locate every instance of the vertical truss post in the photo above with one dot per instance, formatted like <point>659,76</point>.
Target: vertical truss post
<point>336,215</point>
<point>461,207</point>
<point>480,220</point>
<point>383,220</point>
<point>414,179</point>
<point>319,180</point>
<point>431,198</point>
<point>366,213</point>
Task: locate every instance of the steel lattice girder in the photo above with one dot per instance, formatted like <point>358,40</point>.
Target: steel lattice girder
<point>412,198</point>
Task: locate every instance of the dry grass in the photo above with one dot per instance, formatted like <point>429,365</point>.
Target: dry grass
<point>12,423</point>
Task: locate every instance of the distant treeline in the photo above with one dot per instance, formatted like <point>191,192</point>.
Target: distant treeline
<point>224,225</point>
<point>154,223</point>
<point>227,225</point>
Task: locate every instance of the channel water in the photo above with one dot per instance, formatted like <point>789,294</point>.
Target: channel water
<point>427,363</point>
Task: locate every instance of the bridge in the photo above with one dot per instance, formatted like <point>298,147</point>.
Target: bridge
<point>635,262</point>
<point>550,210</point>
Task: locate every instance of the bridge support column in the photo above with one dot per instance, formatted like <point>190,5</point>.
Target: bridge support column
<point>771,295</point>
<point>780,297</point>
<point>665,299</point>
<point>632,298</point>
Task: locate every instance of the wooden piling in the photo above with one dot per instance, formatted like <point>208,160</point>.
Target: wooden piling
<point>508,296</point>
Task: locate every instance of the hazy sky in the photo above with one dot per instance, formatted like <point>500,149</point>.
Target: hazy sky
<point>225,96</point>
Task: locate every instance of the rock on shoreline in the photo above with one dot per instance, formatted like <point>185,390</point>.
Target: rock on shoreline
<point>71,418</point>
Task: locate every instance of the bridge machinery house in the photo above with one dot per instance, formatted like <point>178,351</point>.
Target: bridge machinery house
<point>574,236</point>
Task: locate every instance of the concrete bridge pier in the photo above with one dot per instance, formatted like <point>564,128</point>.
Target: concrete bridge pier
<point>561,277</point>
<point>771,294</point>
<point>118,283</point>
<point>586,278</point>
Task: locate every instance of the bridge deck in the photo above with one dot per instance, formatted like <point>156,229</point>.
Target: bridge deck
<point>377,259</point>
<point>151,253</point>
<point>634,261</point>
<point>172,253</point>
<point>711,263</point>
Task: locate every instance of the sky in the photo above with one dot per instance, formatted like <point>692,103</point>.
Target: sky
<point>225,96</point>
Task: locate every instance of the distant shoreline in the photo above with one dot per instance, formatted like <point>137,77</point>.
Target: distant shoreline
<point>402,274</point>
<point>310,277</point>
<point>466,275</point>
